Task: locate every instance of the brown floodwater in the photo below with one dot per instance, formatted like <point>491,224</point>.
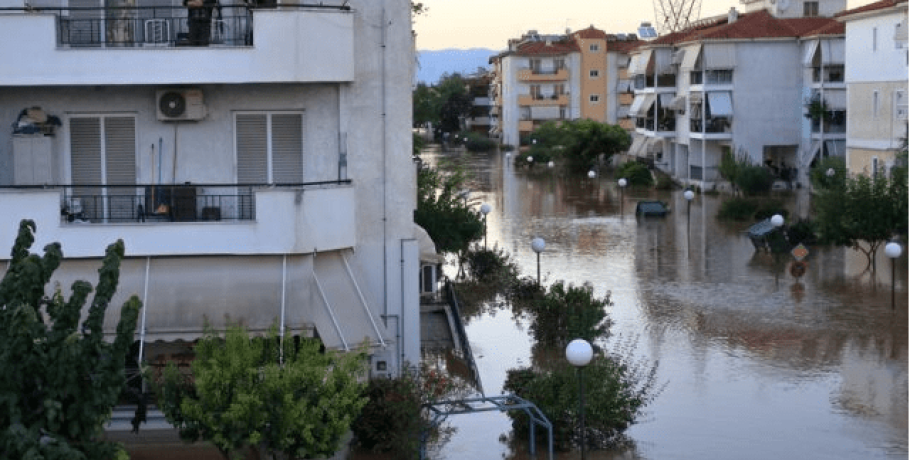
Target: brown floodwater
<point>756,364</point>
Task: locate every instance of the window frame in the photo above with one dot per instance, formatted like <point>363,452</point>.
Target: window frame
<point>270,142</point>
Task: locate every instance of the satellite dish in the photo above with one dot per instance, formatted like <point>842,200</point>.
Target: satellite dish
<point>172,104</point>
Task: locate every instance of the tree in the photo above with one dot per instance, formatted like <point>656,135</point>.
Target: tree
<point>863,212</point>
<point>424,102</point>
<point>60,381</point>
<point>288,399</point>
<point>453,102</point>
<point>446,217</point>
<point>582,143</point>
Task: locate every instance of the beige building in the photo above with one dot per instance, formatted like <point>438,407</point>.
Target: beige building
<point>876,77</point>
<point>543,78</point>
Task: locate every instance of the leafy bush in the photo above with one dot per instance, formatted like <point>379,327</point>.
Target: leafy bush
<point>818,175</point>
<point>616,392</point>
<point>737,208</point>
<point>490,265</point>
<point>539,155</point>
<point>663,182</point>
<point>569,312</point>
<point>477,142</point>
<point>636,173</point>
<point>803,231</point>
<point>767,208</point>
<point>754,180</point>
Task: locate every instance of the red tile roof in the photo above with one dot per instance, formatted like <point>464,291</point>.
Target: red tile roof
<point>758,24</point>
<point>591,32</point>
<point>624,46</point>
<point>871,7</point>
<point>542,48</point>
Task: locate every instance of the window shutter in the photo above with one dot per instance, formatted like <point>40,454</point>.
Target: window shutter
<point>252,148</point>
<point>85,151</point>
<point>287,148</point>
<point>120,150</point>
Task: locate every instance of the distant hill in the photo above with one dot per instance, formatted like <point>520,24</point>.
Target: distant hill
<point>432,64</point>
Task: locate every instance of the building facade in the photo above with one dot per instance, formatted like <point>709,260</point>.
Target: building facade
<point>738,84</point>
<point>255,174</point>
<point>876,80</point>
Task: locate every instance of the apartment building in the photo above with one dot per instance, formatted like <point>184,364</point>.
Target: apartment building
<point>255,174</point>
<point>738,83</point>
<point>876,80</point>
<point>543,78</point>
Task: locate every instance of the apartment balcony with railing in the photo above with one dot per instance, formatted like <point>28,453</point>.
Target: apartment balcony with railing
<point>166,45</point>
<point>543,74</point>
<point>187,219</point>
<point>828,76</point>
<point>714,128</point>
<point>543,99</point>
<point>642,82</point>
<point>711,77</point>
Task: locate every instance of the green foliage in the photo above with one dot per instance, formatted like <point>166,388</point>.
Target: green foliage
<point>636,173</point>
<point>246,392</point>
<point>569,312</point>
<point>738,208</point>
<point>819,177</point>
<point>766,208</point>
<point>865,209</point>
<point>477,142</point>
<point>443,214</point>
<point>616,393</point>
<point>60,381</point>
<point>663,181</point>
<point>417,144</point>
<point>490,265</point>
<point>803,231</point>
<point>393,418</point>
<point>754,180</point>
<point>583,143</point>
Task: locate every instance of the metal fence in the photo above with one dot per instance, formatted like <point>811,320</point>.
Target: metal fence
<point>161,203</point>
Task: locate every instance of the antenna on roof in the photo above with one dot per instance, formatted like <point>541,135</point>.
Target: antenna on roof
<point>675,15</point>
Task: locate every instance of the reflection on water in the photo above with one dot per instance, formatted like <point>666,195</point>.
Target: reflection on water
<point>758,364</point>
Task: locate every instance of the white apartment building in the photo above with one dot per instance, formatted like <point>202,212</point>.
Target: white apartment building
<point>739,84</point>
<point>876,79</point>
<point>258,169</point>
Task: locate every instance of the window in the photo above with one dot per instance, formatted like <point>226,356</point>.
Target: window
<point>559,64</point>
<point>594,73</point>
<point>810,9</point>
<point>594,98</point>
<point>874,38</point>
<point>269,148</point>
<point>535,65</point>
<point>900,105</point>
<point>559,89</point>
<point>535,92</point>
<point>103,152</point>
<point>594,47</point>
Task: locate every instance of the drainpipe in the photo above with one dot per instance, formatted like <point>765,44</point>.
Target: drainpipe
<point>284,278</point>
<point>385,249</point>
<point>704,129</point>
<point>145,298</point>
<point>399,338</point>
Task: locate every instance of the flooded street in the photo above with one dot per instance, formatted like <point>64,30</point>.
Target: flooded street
<point>757,364</point>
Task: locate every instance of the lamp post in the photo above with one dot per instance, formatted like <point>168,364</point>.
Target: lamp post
<point>538,244</point>
<point>592,174</point>
<point>777,221</point>
<point>893,250</point>
<point>485,209</point>
<point>689,195</point>
<point>579,354</point>
<point>622,189</point>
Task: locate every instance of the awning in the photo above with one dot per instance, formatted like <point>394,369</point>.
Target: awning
<point>836,99</point>
<point>809,48</point>
<point>638,142</point>
<point>641,105</point>
<point>623,111</point>
<point>623,86</point>
<point>427,247</point>
<point>666,100</point>
<point>720,55</point>
<point>720,104</point>
<point>186,293</point>
<point>654,145</point>
<point>691,57</point>
<point>832,51</point>
<point>545,112</point>
<point>678,103</point>
<point>663,60</point>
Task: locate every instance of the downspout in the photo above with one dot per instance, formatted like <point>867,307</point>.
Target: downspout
<point>385,249</point>
<point>402,310</point>
<point>145,297</point>
<point>704,129</point>
<point>284,278</point>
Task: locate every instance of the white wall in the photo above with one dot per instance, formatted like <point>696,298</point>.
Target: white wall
<point>884,63</point>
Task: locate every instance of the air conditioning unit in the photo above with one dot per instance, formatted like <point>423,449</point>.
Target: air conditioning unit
<point>180,104</point>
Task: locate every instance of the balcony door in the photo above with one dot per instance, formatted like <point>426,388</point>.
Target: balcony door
<point>269,147</point>
<point>102,161</point>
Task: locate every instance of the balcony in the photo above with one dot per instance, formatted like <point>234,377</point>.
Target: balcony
<point>538,99</point>
<point>828,75</point>
<point>154,45</point>
<point>196,219</point>
<point>536,75</point>
<point>711,77</point>
<point>714,128</point>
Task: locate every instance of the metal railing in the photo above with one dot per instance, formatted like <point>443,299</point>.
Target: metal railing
<point>143,203</point>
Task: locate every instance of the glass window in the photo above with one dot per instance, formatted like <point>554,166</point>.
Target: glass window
<point>594,73</point>
<point>594,98</point>
<point>810,9</point>
<point>594,47</point>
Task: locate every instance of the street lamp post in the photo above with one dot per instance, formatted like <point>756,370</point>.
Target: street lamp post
<point>622,189</point>
<point>777,221</point>
<point>592,174</point>
<point>893,250</point>
<point>579,354</point>
<point>689,195</point>
<point>485,209</point>
<point>538,244</point>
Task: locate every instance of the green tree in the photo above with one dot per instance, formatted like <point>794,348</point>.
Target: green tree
<point>60,381</point>
<point>453,102</point>
<point>443,214</point>
<point>863,212</point>
<point>424,102</point>
<point>583,143</point>
<point>568,312</point>
<point>636,173</point>
<point>288,399</point>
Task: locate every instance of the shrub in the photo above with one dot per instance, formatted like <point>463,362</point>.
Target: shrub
<point>767,208</point>
<point>569,312</point>
<point>490,265</point>
<point>803,231</point>
<point>663,182</point>
<point>737,208</point>
<point>818,175</point>
<point>616,393</point>
<point>636,173</point>
<point>539,155</point>
<point>477,142</point>
<point>754,180</point>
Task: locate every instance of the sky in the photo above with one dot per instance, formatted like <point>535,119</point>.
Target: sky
<point>465,24</point>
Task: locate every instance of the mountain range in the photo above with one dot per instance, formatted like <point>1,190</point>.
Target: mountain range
<point>432,64</point>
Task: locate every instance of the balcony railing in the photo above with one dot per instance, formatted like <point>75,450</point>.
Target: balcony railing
<point>163,203</point>
<point>154,26</point>
<point>711,77</point>
<point>712,125</point>
<point>828,74</point>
